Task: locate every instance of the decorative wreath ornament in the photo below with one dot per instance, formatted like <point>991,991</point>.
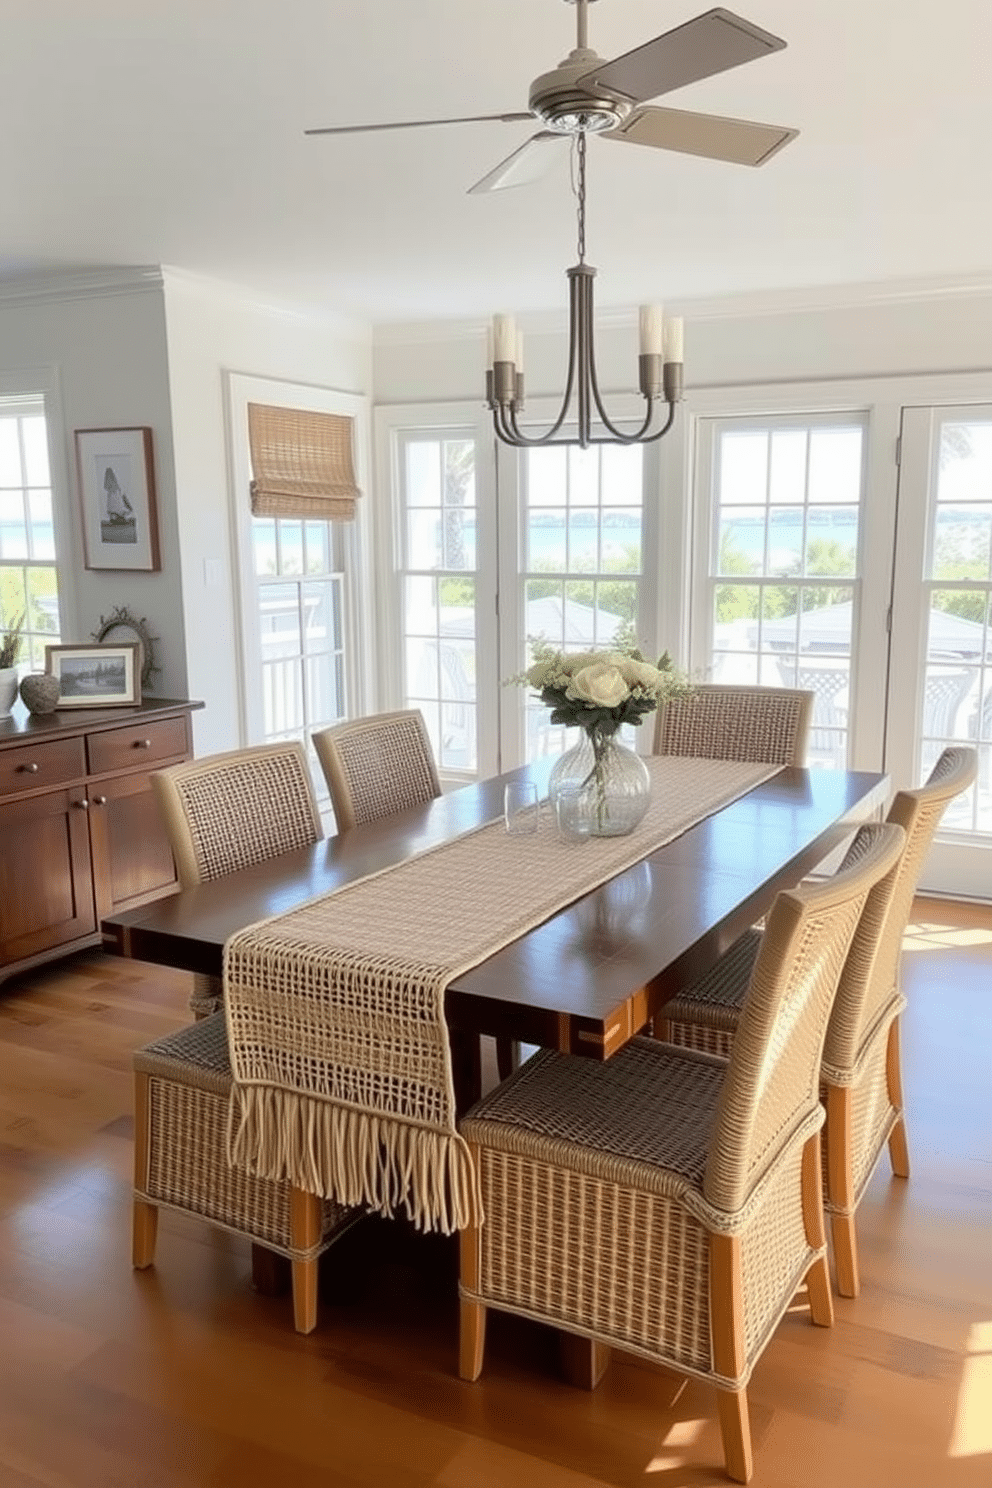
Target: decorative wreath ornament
<point>121,625</point>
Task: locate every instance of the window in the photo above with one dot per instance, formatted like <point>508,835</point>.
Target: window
<point>28,573</point>
<point>305,602</point>
<point>783,554</point>
<point>299,608</point>
<point>493,546</point>
<point>957,589</point>
<point>582,544</point>
<point>438,568</point>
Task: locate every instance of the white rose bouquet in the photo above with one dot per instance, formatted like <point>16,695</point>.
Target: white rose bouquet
<point>599,690</point>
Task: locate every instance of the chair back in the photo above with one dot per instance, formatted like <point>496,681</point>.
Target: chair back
<point>869,981</point>
<point>376,766</point>
<point>718,721</point>
<point>230,811</point>
<point>773,1076</point>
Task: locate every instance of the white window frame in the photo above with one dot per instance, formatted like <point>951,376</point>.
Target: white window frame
<point>880,404</point>
<point>654,627</point>
<point>41,385</point>
<point>499,636</point>
<point>459,420</point>
<point>358,608</point>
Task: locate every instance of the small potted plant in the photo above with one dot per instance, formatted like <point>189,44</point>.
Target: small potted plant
<point>10,650</point>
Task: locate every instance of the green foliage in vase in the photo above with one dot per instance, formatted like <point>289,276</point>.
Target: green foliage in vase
<point>10,642</point>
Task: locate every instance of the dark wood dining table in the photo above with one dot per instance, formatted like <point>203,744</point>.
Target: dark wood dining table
<point>586,979</point>
<point>589,977</point>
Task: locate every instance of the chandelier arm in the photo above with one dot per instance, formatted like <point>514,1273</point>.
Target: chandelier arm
<point>593,383</point>
<point>513,434</point>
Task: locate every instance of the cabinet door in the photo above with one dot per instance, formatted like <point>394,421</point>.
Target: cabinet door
<point>46,885</point>
<point>132,860</point>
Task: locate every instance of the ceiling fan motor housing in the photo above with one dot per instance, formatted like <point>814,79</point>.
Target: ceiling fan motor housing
<point>562,103</point>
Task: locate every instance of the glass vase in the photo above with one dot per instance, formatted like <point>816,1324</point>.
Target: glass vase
<point>615,784</point>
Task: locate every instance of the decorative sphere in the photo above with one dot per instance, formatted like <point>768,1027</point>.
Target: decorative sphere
<point>40,692</point>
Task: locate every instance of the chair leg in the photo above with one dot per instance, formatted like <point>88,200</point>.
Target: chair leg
<point>840,1188</point>
<point>305,1213</point>
<point>735,1429</point>
<point>144,1232</point>
<point>821,1303</point>
<point>727,1329</point>
<point>472,1315</point>
<point>845,1240</point>
<point>305,1295</point>
<point>144,1222</point>
<point>471,1339</point>
<point>898,1146</point>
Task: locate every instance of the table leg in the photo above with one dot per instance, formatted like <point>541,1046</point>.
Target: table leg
<point>583,1360</point>
<point>270,1273</point>
<point>466,1067</point>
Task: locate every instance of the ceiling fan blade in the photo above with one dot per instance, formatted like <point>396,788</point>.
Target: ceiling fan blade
<point>526,164</point>
<point>711,43</point>
<point>738,140</point>
<point>422,123</point>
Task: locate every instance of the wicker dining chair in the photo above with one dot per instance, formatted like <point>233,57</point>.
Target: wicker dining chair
<point>230,811</point>
<point>376,766</point>
<point>667,1202</point>
<point>182,1093</point>
<point>861,1080</point>
<point>720,721</point>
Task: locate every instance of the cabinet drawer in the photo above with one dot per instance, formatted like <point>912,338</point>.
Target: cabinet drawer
<point>138,744</point>
<point>33,766</point>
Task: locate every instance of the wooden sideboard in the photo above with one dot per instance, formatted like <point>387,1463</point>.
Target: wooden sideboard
<point>80,833</point>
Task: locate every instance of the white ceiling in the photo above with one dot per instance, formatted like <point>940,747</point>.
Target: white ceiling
<point>172,133</point>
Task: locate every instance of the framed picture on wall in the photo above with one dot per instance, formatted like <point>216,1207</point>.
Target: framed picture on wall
<point>117,498</point>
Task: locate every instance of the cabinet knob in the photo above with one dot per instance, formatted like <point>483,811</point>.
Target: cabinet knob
<point>31,769</point>
<point>99,800</point>
<point>142,743</point>
<point>82,805</point>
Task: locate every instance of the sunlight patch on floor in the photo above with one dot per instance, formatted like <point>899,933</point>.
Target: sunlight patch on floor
<point>921,936</point>
<point>681,1435</point>
<point>972,1433</point>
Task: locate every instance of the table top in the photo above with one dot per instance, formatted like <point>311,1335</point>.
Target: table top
<point>587,978</point>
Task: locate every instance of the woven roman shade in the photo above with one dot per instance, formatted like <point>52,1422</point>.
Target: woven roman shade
<point>302,463</point>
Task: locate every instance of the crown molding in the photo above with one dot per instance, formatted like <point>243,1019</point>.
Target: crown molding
<point>81,284</point>
<point>818,299</point>
<point>243,297</point>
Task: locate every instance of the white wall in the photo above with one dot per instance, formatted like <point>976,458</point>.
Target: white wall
<point>98,345</point>
<point>212,330</point>
<point>866,331</point>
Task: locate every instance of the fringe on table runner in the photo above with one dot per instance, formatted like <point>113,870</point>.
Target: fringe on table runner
<point>357,1158</point>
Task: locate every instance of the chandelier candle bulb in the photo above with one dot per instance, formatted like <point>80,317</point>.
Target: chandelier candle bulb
<point>504,338</point>
<point>651,321</point>
<point>519,354</point>
<point>673,339</point>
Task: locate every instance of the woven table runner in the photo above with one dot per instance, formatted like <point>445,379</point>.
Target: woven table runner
<point>335,1010</point>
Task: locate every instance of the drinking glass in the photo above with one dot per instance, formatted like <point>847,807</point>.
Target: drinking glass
<point>520,808</point>
<point>572,813</point>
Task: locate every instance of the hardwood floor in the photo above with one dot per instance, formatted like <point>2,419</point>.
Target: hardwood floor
<point>181,1375</point>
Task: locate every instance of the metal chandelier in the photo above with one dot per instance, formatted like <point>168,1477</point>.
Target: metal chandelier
<point>659,362</point>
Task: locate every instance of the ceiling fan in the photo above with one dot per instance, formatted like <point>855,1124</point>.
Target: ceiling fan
<point>586,95</point>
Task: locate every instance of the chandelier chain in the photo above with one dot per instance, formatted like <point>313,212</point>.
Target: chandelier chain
<point>580,147</point>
